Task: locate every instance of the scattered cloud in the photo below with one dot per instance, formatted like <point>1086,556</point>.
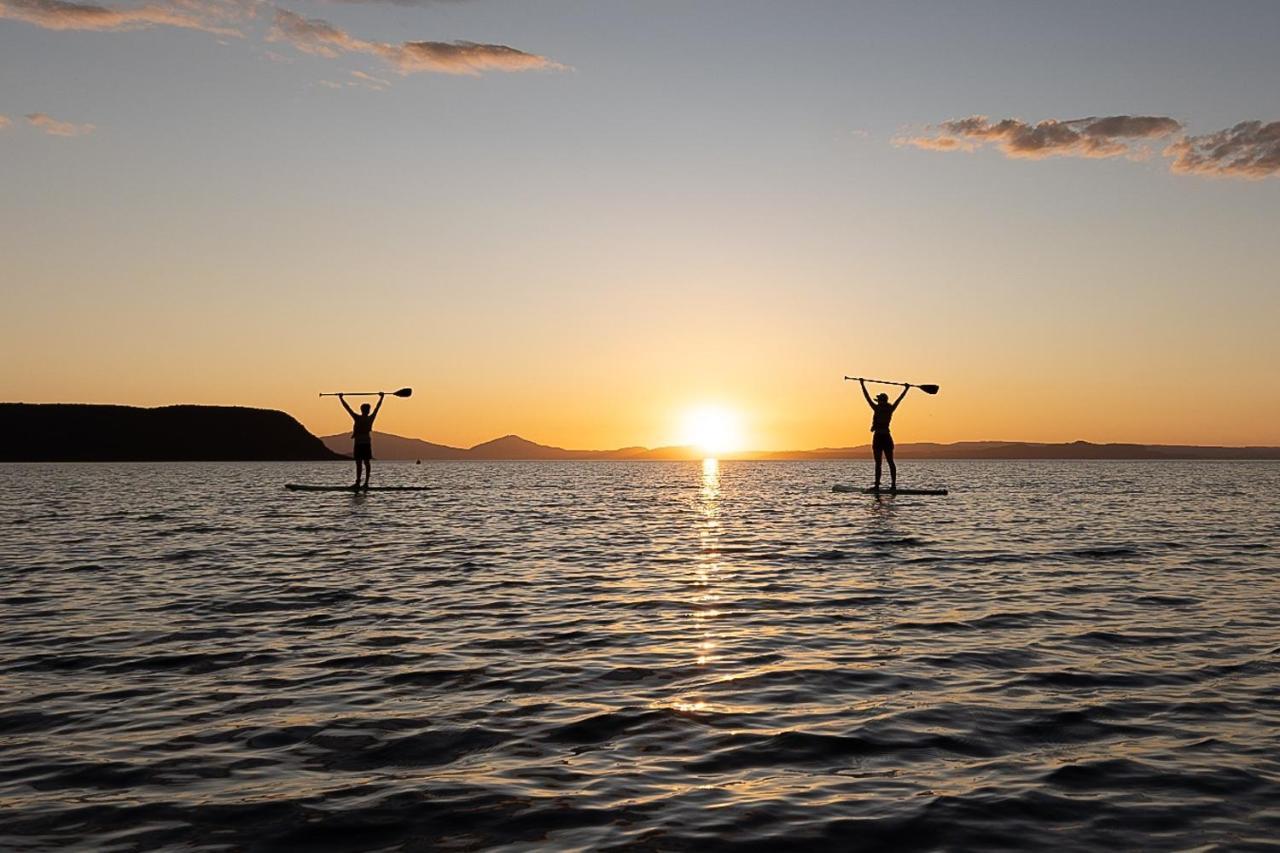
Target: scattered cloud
<point>53,127</point>
<point>309,35</point>
<point>462,57</point>
<point>1250,150</point>
<point>320,38</point>
<point>1095,137</point>
<point>5,121</point>
<point>212,16</point>
<point>406,2</point>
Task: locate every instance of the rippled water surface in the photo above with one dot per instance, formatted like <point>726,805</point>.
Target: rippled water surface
<point>653,655</point>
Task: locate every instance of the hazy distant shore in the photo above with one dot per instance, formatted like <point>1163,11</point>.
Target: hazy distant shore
<point>513,447</point>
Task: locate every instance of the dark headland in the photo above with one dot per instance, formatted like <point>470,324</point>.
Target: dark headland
<point>71,432</point>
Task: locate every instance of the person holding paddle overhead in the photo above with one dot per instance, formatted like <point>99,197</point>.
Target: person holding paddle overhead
<point>362,435</point>
<point>881,439</point>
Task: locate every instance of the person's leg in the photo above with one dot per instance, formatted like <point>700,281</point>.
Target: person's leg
<point>368,469</point>
<point>357,485</point>
<point>893,469</point>
<point>879,453</point>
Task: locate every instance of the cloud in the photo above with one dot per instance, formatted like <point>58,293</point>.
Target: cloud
<point>311,35</point>
<point>320,38</point>
<point>1094,137</point>
<point>212,16</point>
<point>369,81</point>
<point>53,127</point>
<point>406,2</point>
<point>4,122</point>
<point>462,57</point>
<point>1250,150</point>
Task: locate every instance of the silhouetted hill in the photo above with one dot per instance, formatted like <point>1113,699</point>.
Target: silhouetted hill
<point>513,447</point>
<point>73,432</point>
<point>509,447</point>
<point>388,446</point>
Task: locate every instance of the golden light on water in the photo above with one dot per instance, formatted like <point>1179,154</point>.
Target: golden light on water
<point>712,429</point>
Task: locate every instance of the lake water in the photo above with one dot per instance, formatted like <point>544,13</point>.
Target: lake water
<point>654,655</point>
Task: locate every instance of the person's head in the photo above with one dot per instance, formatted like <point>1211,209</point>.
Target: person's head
<point>364,408</point>
<point>882,398</point>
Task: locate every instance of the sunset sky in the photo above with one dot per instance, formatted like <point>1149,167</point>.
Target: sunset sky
<point>580,221</point>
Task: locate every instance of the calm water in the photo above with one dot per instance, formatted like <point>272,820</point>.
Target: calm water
<point>654,655</point>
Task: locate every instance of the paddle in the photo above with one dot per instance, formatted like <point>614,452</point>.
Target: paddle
<point>403,392</point>
<point>928,389</point>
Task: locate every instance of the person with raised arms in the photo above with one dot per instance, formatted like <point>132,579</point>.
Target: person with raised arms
<point>881,439</point>
<point>362,436</point>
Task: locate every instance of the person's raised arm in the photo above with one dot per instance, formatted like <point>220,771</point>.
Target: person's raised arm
<point>381,398</point>
<point>343,401</point>
<point>905,389</point>
<point>866,394</point>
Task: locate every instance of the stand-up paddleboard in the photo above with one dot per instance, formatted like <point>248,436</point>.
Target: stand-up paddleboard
<point>859,490</point>
<point>302,487</point>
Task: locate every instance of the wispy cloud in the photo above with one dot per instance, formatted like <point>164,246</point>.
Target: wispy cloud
<point>1250,150</point>
<point>369,81</point>
<point>4,122</point>
<point>406,2</point>
<point>212,16</point>
<point>1096,137</point>
<point>320,38</point>
<point>314,36</point>
<point>462,57</point>
<point>309,35</point>
<point>53,127</point>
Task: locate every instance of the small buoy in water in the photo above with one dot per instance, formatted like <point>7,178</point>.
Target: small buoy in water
<point>419,462</point>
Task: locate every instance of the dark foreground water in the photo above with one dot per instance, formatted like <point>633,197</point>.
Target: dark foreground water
<point>652,655</point>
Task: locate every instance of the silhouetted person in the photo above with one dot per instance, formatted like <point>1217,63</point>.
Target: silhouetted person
<point>362,436</point>
<point>881,439</point>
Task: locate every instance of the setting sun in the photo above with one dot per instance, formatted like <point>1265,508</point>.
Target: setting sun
<point>712,430</point>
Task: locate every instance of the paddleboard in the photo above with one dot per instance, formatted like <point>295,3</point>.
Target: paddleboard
<point>302,487</point>
<point>843,489</point>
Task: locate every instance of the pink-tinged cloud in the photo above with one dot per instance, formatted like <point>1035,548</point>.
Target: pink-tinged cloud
<point>462,57</point>
<point>321,38</point>
<point>311,35</point>
<point>213,16</point>
<point>4,122</point>
<point>1250,150</point>
<point>1095,137</point>
<point>53,127</point>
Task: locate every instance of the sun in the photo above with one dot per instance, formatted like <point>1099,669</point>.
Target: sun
<point>712,429</point>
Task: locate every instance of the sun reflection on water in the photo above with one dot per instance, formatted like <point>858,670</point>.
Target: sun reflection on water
<point>706,573</point>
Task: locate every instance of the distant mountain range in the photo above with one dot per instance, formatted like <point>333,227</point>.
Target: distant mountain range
<point>513,447</point>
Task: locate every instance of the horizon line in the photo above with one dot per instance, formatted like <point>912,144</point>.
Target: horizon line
<point>695,452</point>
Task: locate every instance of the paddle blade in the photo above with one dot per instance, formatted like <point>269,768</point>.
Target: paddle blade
<point>928,389</point>
<point>408,392</point>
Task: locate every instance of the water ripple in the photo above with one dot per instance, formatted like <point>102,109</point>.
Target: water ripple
<point>640,656</point>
